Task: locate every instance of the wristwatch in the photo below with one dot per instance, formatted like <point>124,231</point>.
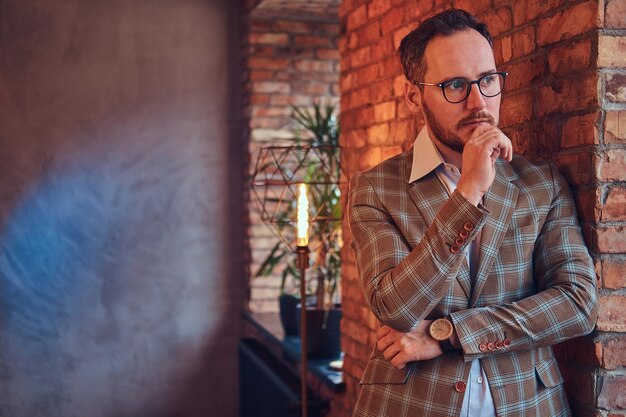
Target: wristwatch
<point>441,330</point>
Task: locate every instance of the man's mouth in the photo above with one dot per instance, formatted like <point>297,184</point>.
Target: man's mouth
<point>476,122</point>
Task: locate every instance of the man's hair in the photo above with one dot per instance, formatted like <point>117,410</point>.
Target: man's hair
<point>446,23</point>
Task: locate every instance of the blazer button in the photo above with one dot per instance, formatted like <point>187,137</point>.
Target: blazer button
<point>454,248</point>
<point>468,226</point>
<point>491,346</point>
<point>460,386</point>
<point>464,234</point>
<point>506,343</point>
<point>459,241</point>
<point>482,347</point>
<point>499,344</point>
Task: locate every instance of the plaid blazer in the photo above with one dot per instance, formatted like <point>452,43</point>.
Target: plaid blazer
<point>534,285</point>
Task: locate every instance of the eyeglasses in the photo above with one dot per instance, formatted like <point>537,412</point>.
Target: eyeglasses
<point>458,89</point>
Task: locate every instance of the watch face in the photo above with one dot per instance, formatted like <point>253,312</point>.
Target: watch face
<point>440,329</point>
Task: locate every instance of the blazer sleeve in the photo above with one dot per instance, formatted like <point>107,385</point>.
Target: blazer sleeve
<point>565,305</point>
<point>403,285</point>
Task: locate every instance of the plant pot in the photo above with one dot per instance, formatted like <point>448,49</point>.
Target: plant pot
<point>323,332</point>
<point>287,304</point>
<point>289,312</point>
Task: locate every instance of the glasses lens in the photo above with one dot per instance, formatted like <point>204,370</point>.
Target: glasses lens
<point>491,84</point>
<point>455,90</point>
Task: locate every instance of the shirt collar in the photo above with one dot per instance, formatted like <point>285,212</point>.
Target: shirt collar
<point>426,157</point>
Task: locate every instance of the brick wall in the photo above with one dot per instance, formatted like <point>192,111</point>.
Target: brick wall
<point>565,100</point>
<point>287,62</point>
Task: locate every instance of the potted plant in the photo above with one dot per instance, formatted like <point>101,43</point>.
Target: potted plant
<point>323,313</point>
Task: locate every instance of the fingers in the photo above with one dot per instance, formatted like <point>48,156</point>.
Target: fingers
<point>493,139</point>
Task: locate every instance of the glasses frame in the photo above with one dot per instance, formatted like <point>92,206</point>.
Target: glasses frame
<point>469,86</point>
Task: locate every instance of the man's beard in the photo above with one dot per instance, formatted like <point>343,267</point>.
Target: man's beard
<point>448,137</point>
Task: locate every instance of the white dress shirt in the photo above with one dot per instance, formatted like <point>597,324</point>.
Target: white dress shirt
<point>477,401</point>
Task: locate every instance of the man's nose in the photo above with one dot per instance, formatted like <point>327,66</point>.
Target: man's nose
<point>475,100</point>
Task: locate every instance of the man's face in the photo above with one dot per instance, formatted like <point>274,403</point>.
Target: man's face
<point>465,54</point>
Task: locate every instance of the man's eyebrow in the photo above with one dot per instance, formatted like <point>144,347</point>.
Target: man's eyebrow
<point>482,74</point>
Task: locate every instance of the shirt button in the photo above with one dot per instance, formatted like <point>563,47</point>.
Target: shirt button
<point>460,386</point>
<point>479,379</point>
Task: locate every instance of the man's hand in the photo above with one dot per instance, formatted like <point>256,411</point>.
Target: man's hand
<point>400,348</point>
<point>478,164</point>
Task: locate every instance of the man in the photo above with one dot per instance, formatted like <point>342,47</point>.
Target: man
<point>470,256</point>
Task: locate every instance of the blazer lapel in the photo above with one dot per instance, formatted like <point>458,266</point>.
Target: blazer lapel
<point>429,195</point>
<point>500,200</point>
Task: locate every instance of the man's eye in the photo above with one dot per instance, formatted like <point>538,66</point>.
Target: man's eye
<point>488,79</point>
<point>455,85</point>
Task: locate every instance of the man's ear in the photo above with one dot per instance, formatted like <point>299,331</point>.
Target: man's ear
<point>412,97</point>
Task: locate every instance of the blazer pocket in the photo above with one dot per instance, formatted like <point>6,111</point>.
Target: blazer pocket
<point>380,371</point>
<point>548,373</point>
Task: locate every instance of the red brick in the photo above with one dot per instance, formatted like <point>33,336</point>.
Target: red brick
<point>360,57</point>
<point>587,203</point>
<point>356,18</point>
<point>570,58</point>
<point>612,51</point>
<point>385,111</point>
<point>292,26</point>
<point>615,87</point>
<point>382,49</point>
<point>615,14</point>
<point>327,54</point>
<point>270,87</point>
<point>614,207</point>
<point>614,274</point>
<point>498,21</point>
<point>271,111</point>
<point>613,393</point>
<point>615,353</point>
<point>570,22</point>
<point>575,167</point>
<point>399,34</point>
<point>311,65</point>
<point>377,7</point>
<point>268,63</point>
<point>567,95</point>
<point>367,74</point>
<point>393,20</point>
<point>506,49</point>
<point>516,108</point>
<point>378,134</point>
<point>524,11</point>
<point>612,313</point>
<point>611,165</point>
<point>370,157</point>
<point>260,75</point>
<point>310,40</point>
<point>580,131</point>
<point>524,42</point>
<point>369,33</point>
<point>610,240</point>
<point>474,7</point>
<point>269,38</point>
<point>615,126</point>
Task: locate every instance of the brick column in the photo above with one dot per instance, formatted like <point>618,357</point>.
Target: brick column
<point>287,62</point>
<point>565,100</point>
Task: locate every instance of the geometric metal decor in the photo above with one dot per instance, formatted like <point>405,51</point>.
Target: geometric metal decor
<point>279,171</point>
